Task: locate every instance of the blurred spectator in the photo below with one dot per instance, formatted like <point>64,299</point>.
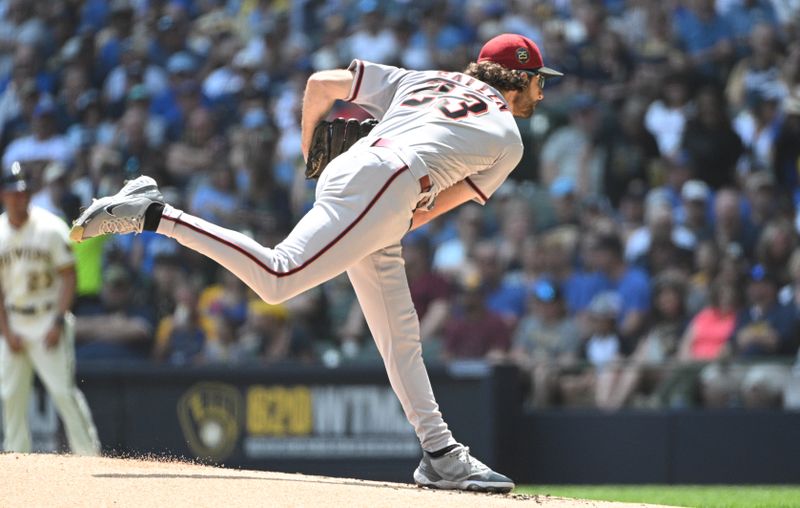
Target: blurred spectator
<point>138,151</point>
<point>27,65</point>
<point>666,117</point>
<point>706,268</point>
<point>545,342</point>
<point>631,208</point>
<point>134,68</point>
<point>226,60</point>
<point>451,257</point>
<point>504,297</point>
<point>759,73</point>
<point>55,196</point>
<point>789,294</point>
<point>565,203</point>
<point>631,283</point>
<point>473,331</point>
<point>711,144</point>
<point>757,127</point>
<point>660,243</point>
<point>516,224</point>
<point>183,337</point>
<point>580,283</point>
<point>786,149</point>
<point>429,290</point>
<point>139,100</point>
<point>746,16</point>
<point>753,386</point>
<point>264,202</point>
<point>572,151</point>
<point>110,38</point>
<point>18,24</point>
<point>198,151</point>
<point>372,40</point>
<point>182,68</point>
<point>631,151</point>
<point>75,83</point>
<point>17,105</point>
<point>98,174</point>
<point>790,70</point>
<point>733,266</point>
<point>168,270</point>
<point>436,43</point>
<point>694,212</point>
<point>116,328</point>
<point>602,350</point>
<point>650,361</point>
<point>215,198</point>
<point>266,337</point>
<point>535,259</point>
<point>90,126</point>
<point>227,303</point>
<point>764,327</point>
<point>730,227</point>
<point>601,55</point>
<point>775,245</point>
<point>309,321</point>
<point>706,36</point>
<point>707,335</point>
<point>171,31</point>
<point>44,143</point>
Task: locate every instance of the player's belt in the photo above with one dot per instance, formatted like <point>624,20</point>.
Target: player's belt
<point>30,310</point>
<point>424,182</point>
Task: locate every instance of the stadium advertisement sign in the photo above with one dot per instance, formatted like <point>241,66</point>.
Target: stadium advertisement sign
<point>297,421</point>
<point>341,422</point>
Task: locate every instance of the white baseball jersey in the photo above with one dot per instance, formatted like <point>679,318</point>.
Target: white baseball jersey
<point>447,126</point>
<point>30,258</point>
<point>454,125</point>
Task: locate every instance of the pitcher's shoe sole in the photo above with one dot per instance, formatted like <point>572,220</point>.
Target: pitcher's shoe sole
<point>475,485</point>
<point>121,213</point>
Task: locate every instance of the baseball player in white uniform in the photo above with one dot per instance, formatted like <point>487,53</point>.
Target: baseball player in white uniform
<point>443,138</point>
<point>37,288</point>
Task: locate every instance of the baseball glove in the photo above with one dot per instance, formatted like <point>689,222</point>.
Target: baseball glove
<point>333,138</point>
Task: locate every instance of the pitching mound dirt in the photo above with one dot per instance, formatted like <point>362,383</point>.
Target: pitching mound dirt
<point>63,480</point>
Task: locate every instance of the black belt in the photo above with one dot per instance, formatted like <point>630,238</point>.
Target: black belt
<point>424,182</point>
<point>30,310</point>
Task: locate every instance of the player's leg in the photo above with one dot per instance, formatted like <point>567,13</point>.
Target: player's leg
<point>381,286</point>
<point>56,368</point>
<point>364,202</point>
<point>16,382</point>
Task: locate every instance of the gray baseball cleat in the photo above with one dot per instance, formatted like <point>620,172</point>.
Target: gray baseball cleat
<point>120,214</point>
<point>458,470</point>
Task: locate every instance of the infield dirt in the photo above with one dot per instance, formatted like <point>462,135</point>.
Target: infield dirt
<point>30,480</point>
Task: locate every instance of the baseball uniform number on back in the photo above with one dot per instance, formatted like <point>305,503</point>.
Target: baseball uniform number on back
<point>456,105</point>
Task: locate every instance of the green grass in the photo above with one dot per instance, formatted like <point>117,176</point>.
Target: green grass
<point>705,496</point>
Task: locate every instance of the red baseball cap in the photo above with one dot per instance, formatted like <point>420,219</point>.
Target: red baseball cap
<point>515,52</point>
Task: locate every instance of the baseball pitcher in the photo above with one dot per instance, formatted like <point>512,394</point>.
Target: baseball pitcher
<point>37,287</point>
<point>442,138</point>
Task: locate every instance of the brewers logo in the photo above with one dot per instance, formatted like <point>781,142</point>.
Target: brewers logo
<point>522,55</point>
<point>210,416</point>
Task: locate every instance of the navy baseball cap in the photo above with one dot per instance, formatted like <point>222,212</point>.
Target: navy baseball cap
<point>516,52</point>
<point>15,180</point>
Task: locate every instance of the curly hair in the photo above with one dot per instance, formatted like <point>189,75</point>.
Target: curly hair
<point>497,76</point>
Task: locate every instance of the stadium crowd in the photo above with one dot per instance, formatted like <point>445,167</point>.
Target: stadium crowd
<point>645,252</point>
